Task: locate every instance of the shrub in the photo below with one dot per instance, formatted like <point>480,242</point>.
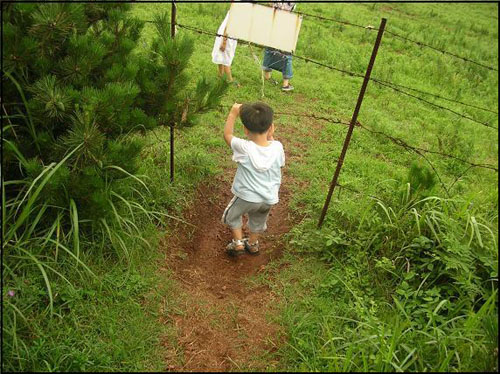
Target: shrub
<point>75,90</point>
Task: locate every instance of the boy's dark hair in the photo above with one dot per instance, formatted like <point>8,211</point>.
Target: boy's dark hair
<point>256,117</point>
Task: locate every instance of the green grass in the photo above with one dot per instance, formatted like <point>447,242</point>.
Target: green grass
<point>338,307</point>
<point>343,309</point>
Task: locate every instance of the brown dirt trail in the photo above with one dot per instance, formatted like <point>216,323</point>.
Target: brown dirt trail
<point>225,320</point>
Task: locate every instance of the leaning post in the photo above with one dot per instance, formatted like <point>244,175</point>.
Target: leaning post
<point>353,121</point>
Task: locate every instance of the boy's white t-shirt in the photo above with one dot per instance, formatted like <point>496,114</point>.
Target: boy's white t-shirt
<point>258,176</point>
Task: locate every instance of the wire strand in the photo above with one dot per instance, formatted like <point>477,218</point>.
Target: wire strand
<point>433,104</point>
<point>398,141</point>
<point>440,50</point>
<point>436,96</point>
<point>402,143</point>
<point>349,73</point>
<point>419,43</point>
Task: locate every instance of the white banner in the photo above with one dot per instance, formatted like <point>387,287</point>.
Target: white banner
<point>264,25</point>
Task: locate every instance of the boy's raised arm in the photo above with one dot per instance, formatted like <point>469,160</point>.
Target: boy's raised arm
<point>231,118</point>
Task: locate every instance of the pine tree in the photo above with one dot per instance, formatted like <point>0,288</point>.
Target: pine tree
<point>73,81</point>
<point>74,89</point>
<point>164,80</point>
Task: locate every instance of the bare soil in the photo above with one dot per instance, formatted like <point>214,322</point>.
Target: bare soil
<point>226,320</point>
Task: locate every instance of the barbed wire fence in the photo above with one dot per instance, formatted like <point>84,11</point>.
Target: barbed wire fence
<point>398,88</point>
<point>393,86</point>
<point>399,36</point>
<point>353,74</point>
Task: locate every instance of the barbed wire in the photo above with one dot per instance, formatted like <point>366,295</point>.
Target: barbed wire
<point>398,141</point>
<point>314,116</point>
<point>369,27</point>
<point>192,28</point>
<point>433,104</point>
<point>372,28</point>
<point>435,95</point>
<point>419,43</point>
<point>404,144</point>
<point>358,124</point>
<point>350,73</point>
<point>440,50</point>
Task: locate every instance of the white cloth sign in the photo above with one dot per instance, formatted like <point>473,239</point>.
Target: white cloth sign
<point>264,25</point>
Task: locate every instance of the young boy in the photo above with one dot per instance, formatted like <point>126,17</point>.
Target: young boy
<point>258,177</point>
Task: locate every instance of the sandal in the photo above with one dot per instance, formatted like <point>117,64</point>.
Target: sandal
<point>232,248</point>
<point>253,249</point>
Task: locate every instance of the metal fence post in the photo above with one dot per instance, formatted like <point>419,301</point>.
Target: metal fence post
<point>353,121</point>
<point>173,15</point>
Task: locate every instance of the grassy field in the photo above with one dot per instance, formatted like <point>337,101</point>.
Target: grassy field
<point>345,303</point>
<point>338,307</point>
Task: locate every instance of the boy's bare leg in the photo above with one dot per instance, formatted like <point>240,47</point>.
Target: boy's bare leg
<point>227,69</point>
<point>238,235</point>
<point>267,74</point>
<point>253,238</point>
<point>285,82</point>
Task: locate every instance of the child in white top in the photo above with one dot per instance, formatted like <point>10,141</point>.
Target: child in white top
<point>223,51</point>
<point>258,177</point>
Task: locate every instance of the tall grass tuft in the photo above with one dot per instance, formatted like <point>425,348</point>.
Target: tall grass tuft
<point>430,300</point>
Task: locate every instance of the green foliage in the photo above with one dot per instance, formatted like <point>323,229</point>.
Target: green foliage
<point>434,259</point>
<point>164,80</point>
<point>421,179</point>
<point>356,306</point>
<point>77,107</point>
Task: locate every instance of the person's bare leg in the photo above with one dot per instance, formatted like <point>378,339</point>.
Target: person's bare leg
<point>220,70</point>
<point>285,82</point>
<point>238,235</point>
<point>253,238</point>
<point>227,70</point>
<point>267,74</point>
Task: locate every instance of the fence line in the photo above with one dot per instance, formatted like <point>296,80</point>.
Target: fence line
<point>353,74</point>
<point>396,35</point>
<point>398,141</point>
<point>435,105</point>
<point>350,73</point>
<point>322,118</point>
<point>441,51</point>
<point>436,96</point>
<point>357,74</point>
<point>420,151</point>
<point>335,20</point>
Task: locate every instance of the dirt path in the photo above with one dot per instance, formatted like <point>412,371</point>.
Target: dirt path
<point>225,320</point>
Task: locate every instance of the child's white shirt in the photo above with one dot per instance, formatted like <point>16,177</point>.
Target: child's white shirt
<point>258,177</point>
<point>223,57</point>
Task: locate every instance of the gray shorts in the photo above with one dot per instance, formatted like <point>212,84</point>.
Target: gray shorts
<point>257,214</point>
